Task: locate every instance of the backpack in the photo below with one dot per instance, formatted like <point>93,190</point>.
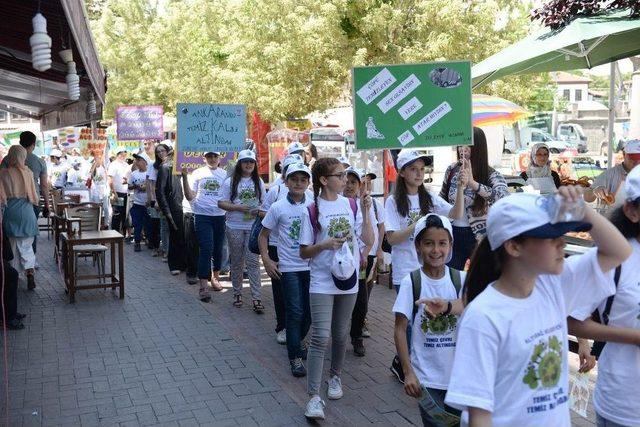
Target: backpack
<point>598,346</point>
<point>256,228</point>
<point>313,215</point>
<point>416,283</point>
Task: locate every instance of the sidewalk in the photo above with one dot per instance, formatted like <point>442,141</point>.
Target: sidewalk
<point>161,357</point>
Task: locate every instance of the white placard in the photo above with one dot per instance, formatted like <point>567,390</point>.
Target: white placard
<point>579,394</point>
<point>410,108</point>
<point>399,93</point>
<point>406,138</point>
<point>430,119</point>
<point>376,86</point>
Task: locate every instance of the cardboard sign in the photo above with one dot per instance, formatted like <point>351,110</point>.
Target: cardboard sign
<point>412,105</point>
<point>579,394</point>
<point>211,127</point>
<point>136,122</point>
<point>192,161</point>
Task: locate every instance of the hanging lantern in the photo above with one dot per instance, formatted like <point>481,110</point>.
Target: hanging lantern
<point>40,44</point>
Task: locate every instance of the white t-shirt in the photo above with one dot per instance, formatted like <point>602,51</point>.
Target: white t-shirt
<point>99,188</point>
<point>376,221</point>
<point>617,393</point>
<point>286,219</point>
<point>433,342</point>
<point>246,195</point>
<point>336,219</point>
<point>511,355</point>
<point>58,174</point>
<point>139,178</point>
<point>152,173</point>
<point>207,184</point>
<point>403,255</point>
<point>276,193</point>
<point>118,171</point>
<point>76,178</point>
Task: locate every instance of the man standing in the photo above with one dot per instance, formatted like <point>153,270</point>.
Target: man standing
<point>39,169</point>
<point>610,181</point>
<point>118,173</point>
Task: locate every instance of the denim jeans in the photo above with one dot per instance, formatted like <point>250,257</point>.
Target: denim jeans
<point>164,235</point>
<point>140,218</point>
<point>278,297</point>
<point>426,404</point>
<point>191,245</point>
<point>295,287</point>
<point>603,422</point>
<point>210,233</point>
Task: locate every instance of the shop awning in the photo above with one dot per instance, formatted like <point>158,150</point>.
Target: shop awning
<point>43,95</point>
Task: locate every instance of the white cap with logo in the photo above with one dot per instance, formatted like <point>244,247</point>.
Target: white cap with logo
<point>406,157</point>
<point>422,224</point>
<point>632,185</point>
<point>298,167</point>
<point>295,147</point>
<point>246,155</point>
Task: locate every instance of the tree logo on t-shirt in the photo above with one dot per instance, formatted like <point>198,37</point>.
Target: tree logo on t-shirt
<point>545,366</point>
<point>339,227</point>
<point>438,325</point>
<point>294,229</point>
<point>212,185</point>
<point>414,216</point>
<point>247,195</point>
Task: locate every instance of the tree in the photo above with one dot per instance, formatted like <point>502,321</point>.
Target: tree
<point>558,13</point>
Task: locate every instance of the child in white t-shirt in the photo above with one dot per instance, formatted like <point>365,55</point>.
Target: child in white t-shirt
<point>291,271</point>
<point>410,201</point>
<point>510,366</point>
<point>432,314</point>
<point>617,395</point>
<point>331,222</point>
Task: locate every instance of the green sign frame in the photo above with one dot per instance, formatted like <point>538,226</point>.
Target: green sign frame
<point>412,105</point>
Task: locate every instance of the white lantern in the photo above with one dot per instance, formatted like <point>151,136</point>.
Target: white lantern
<point>40,44</point>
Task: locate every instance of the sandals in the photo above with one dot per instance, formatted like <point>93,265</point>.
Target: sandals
<point>237,301</point>
<point>257,306</point>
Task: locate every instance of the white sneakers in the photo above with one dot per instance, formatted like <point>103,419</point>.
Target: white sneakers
<point>335,388</point>
<point>281,337</point>
<point>315,408</point>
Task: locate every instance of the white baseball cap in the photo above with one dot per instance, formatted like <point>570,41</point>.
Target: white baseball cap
<point>406,157</point>
<point>422,224</point>
<point>632,185</point>
<point>525,214</point>
<point>120,149</point>
<point>215,153</point>
<point>56,153</point>
<point>291,159</point>
<point>343,268</point>
<point>295,147</point>
<point>297,167</point>
<point>344,160</point>
<point>632,146</point>
<point>143,156</point>
<point>359,173</point>
<point>246,155</point>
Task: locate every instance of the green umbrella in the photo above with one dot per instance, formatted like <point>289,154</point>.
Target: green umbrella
<point>585,43</point>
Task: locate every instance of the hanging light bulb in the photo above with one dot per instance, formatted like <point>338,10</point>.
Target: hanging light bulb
<point>73,81</point>
<point>91,105</point>
<point>40,44</point>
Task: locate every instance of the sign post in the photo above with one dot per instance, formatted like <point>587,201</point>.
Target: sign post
<point>412,105</point>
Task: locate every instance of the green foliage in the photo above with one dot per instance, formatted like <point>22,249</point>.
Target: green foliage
<point>289,58</point>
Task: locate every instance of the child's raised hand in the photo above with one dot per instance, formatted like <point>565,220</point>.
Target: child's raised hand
<point>365,195</point>
<point>434,307</point>
<point>333,243</point>
<point>571,193</point>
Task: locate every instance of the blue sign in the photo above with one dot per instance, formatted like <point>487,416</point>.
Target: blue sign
<point>211,127</point>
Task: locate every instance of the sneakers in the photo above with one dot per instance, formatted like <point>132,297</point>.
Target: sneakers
<point>297,368</point>
<point>204,294</point>
<point>365,331</point>
<point>192,280</point>
<point>315,408</point>
<point>137,248</point>
<point>396,369</point>
<point>358,347</point>
<point>175,272</point>
<point>31,282</point>
<point>281,337</point>
<point>335,388</point>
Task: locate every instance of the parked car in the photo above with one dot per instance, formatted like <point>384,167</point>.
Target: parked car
<point>573,132</point>
<point>530,136</point>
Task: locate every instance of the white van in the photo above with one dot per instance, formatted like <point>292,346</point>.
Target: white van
<point>530,136</point>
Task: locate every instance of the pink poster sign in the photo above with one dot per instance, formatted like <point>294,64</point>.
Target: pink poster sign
<point>139,122</point>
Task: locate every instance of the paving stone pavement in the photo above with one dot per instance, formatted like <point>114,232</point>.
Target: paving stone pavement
<point>161,357</point>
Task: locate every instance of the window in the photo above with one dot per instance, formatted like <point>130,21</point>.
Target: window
<point>536,137</point>
<point>18,118</point>
<point>578,95</point>
<point>566,94</point>
<point>3,116</point>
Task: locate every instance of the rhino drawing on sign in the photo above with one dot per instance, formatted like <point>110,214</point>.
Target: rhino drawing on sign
<point>372,130</point>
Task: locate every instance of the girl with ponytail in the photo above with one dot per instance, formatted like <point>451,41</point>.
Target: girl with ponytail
<point>510,366</point>
<point>333,234</point>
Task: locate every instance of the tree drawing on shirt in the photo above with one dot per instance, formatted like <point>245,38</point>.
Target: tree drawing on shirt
<point>439,325</point>
<point>545,365</point>
<point>414,216</point>
<point>98,178</point>
<point>294,229</point>
<point>247,195</point>
<point>339,227</point>
<point>211,185</point>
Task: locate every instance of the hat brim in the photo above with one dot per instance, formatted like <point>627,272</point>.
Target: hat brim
<point>553,231</point>
<point>297,171</point>
<point>244,159</point>
<point>298,151</point>
<point>371,175</point>
<point>354,173</point>
<point>346,284</point>
<point>211,152</point>
<point>428,161</point>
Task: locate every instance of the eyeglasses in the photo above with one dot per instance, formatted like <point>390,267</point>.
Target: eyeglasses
<point>340,175</point>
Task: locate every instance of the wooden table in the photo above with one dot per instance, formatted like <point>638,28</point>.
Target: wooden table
<point>108,238</point>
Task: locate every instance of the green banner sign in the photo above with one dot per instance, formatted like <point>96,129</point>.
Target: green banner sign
<point>412,105</point>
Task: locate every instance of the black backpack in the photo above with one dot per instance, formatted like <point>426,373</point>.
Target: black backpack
<point>416,283</point>
<point>598,346</point>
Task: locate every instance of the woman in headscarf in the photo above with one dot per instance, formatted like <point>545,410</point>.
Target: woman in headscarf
<point>19,222</point>
<point>540,165</point>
